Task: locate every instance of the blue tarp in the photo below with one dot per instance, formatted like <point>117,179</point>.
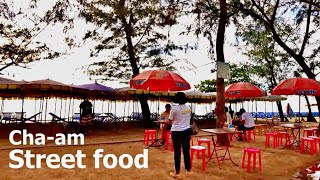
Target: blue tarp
<point>271,114</point>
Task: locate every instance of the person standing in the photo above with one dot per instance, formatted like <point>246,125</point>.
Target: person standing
<point>85,111</point>
<point>228,116</point>
<point>180,115</point>
<point>289,111</point>
<point>165,127</point>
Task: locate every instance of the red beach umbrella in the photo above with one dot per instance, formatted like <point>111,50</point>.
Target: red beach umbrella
<point>297,86</point>
<point>159,80</point>
<point>243,90</point>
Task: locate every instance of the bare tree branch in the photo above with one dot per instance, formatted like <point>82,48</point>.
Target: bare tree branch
<point>306,34</point>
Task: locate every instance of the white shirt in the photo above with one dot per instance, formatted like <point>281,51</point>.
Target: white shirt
<point>181,115</point>
<point>249,122</point>
<point>229,118</point>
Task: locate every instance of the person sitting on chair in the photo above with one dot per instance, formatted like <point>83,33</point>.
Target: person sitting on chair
<point>85,112</point>
<point>165,127</point>
<point>247,122</point>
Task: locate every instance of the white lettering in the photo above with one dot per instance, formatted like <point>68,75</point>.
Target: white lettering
<point>53,158</point>
<point>114,161</point>
<point>60,139</point>
<point>15,158</point>
<point>40,139</point>
<point>144,156</point>
<point>79,157</point>
<point>11,137</point>
<point>97,157</point>
<point>68,158</point>
<point>121,161</point>
<point>75,139</point>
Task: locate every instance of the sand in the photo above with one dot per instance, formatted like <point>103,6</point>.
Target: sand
<point>280,163</point>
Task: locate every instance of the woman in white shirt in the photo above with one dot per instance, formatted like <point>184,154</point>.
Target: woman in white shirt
<point>180,116</point>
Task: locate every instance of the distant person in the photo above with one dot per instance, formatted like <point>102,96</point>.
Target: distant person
<point>247,121</point>
<point>228,116</point>
<point>86,112</point>
<point>289,111</point>
<point>231,112</point>
<point>164,116</point>
<point>180,115</point>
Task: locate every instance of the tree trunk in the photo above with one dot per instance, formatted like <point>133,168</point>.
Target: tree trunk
<point>310,117</point>
<point>133,61</point>
<point>220,103</point>
<point>145,111</point>
<point>279,104</point>
<point>318,103</point>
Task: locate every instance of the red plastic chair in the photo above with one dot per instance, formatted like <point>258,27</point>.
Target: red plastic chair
<point>202,150</point>
<point>168,141</point>
<point>251,151</point>
<point>309,132</point>
<point>317,139</point>
<point>207,141</point>
<point>283,135</point>
<point>149,135</point>
<point>310,141</point>
<point>248,134</point>
<point>275,139</point>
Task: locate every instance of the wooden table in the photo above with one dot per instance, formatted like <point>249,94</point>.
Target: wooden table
<point>216,147</point>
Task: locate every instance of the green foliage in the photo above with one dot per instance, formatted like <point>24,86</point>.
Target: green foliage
<point>20,29</point>
<point>238,73</point>
<point>131,36</point>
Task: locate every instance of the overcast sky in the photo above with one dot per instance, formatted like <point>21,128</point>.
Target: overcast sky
<point>69,69</point>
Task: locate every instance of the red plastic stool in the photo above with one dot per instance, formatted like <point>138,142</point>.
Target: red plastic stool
<point>315,131</point>
<point>168,141</point>
<point>202,150</point>
<point>203,140</point>
<point>191,140</point>
<point>310,141</point>
<point>275,139</point>
<point>317,139</point>
<point>248,134</point>
<point>283,135</point>
<point>251,151</point>
<point>310,132</point>
<point>149,135</point>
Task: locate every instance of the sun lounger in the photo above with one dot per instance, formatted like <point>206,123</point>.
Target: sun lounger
<point>32,117</point>
<point>56,118</point>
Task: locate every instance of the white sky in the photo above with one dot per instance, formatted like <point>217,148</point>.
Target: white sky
<point>68,69</point>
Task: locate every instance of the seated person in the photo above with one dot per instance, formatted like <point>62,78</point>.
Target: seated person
<point>228,116</point>
<point>165,127</point>
<point>236,119</point>
<point>247,121</point>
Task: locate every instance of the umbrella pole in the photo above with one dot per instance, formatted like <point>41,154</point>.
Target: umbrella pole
<point>69,109</point>
<point>256,111</point>
<point>102,106</point>
<point>22,109</point>
<point>72,110</point>
<point>272,108</point>
<point>45,115</point>
<point>124,109</point>
<point>42,104</point>
<point>265,109</point>
<point>299,108</point>
<point>61,108</point>
<point>65,109</point>
<point>55,105</point>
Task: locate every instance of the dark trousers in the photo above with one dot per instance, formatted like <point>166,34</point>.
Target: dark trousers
<point>242,128</point>
<point>181,138</point>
